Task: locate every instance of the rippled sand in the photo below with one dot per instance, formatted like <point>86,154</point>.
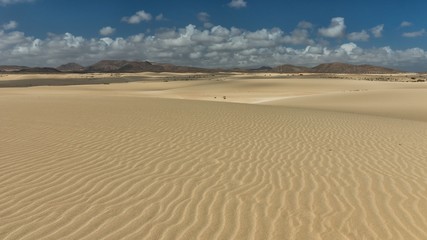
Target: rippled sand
<point>317,160</point>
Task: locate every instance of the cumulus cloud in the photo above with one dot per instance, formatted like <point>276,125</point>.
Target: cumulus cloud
<point>10,25</point>
<point>7,2</point>
<point>214,47</point>
<point>138,17</point>
<point>160,17</point>
<point>298,37</point>
<point>377,31</point>
<point>106,31</point>
<point>405,24</point>
<point>204,17</point>
<point>10,40</point>
<point>358,36</point>
<point>335,30</point>
<point>348,48</point>
<point>414,34</point>
<point>237,4</point>
<point>305,25</point>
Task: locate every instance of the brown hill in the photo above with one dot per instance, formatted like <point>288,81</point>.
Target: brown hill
<point>11,68</point>
<point>39,70</point>
<point>174,68</point>
<point>106,66</point>
<point>349,68</point>
<point>139,66</point>
<point>123,66</point>
<point>117,66</point>
<point>291,69</point>
<point>262,69</point>
<point>71,67</point>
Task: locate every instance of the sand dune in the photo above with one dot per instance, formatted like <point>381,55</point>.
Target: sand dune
<point>130,162</point>
<point>397,103</point>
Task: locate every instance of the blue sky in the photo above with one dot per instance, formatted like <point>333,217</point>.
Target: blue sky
<point>225,33</point>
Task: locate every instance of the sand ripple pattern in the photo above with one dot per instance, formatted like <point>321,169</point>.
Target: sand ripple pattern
<point>136,168</point>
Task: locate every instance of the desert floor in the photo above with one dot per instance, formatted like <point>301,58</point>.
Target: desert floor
<point>213,156</point>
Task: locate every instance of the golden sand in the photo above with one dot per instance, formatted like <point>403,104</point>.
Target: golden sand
<point>306,159</point>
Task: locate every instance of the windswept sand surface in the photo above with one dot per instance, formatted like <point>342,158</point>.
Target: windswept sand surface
<point>131,161</point>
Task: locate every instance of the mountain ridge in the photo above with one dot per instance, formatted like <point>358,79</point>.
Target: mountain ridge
<point>124,66</point>
<point>71,67</point>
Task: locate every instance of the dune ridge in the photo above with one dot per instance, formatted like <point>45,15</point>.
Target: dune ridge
<point>111,167</point>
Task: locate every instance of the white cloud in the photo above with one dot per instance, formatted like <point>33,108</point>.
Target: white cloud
<point>405,24</point>
<point>204,17</point>
<point>377,31</point>
<point>335,30</point>
<point>305,24</point>
<point>192,46</point>
<point>7,2</point>
<point>348,48</point>
<point>10,39</point>
<point>160,17</point>
<point>208,25</point>
<point>298,37</point>
<point>237,4</point>
<point>10,25</point>
<point>106,31</point>
<point>138,17</point>
<point>358,36</point>
<point>414,34</point>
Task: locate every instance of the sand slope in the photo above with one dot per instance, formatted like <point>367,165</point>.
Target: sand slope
<point>105,166</point>
<point>396,103</point>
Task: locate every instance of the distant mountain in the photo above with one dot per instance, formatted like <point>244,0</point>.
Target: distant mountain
<point>349,68</point>
<point>262,69</point>
<point>11,68</point>
<point>334,68</point>
<point>71,67</point>
<point>122,66</point>
<point>106,66</point>
<point>174,68</point>
<point>139,67</point>
<point>291,69</point>
<point>39,70</point>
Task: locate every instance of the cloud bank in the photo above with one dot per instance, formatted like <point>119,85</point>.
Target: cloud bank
<point>213,47</point>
